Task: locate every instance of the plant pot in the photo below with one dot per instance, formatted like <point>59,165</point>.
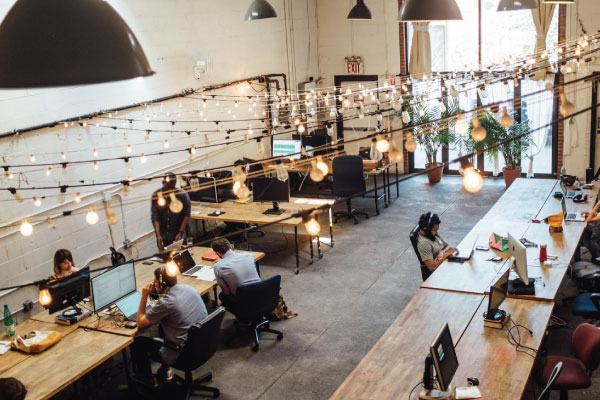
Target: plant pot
<point>434,175</point>
<point>510,175</point>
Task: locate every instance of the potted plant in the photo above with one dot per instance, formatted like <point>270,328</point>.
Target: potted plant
<point>511,150</point>
<point>433,136</point>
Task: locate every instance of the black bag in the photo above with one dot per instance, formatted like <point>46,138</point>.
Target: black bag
<point>568,180</point>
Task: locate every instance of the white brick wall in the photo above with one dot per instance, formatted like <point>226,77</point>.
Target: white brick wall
<point>174,34</point>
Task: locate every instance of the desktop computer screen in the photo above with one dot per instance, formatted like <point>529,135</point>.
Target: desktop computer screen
<point>271,189</point>
<point>444,357</point>
<point>282,147</point>
<point>497,295</point>
<point>68,291</point>
<point>202,189</point>
<point>113,285</point>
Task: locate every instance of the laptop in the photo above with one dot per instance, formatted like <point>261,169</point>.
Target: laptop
<point>463,254</point>
<point>175,245</point>
<point>570,216</point>
<point>568,193</point>
<point>187,265</point>
<point>129,305</point>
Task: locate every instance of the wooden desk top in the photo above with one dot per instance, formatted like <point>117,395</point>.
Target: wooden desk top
<point>252,213</point>
<point>14,357</point>
<point>485,352</point>
<point>395,364</point>
<point>47,373</point>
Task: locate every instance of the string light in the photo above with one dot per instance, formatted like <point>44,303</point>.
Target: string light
<point>44,297</point>
<point>171,268</point>
<point>111,217</point>
<point>410,145</point>
<point>96,166</point>
<point>37,202</point>
<point>50,223</point>
<point>322,165</point>
<point>61,194</point>
<point>166,144</point>
<point>506,120</point>
<point>472,180</point>
<point>16,195</point>
<point>311,225</point>
<point>461,127</point>
<point>63,156</point>
<point>91,217</point>
<point>176,206</point>
<point>143,158</point>
<point>77,198</point>
<point>395,154</point>
<point>128,148</point>
<point>301,129</point>
<point>48,171</point>
<point>95,153</point>
<point>32,158</point>
<point>382,144</point>
<point>479,133</point>
<point>316,174</point>
<point>566,107</point>
<point>193,149</point>
<point>26,228</point>
<point>161,200</point>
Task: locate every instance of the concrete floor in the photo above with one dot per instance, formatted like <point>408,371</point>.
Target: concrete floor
<point>345,301</point>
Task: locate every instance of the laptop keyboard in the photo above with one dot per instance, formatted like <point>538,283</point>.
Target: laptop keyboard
<point>193,270</point>
<point>571,216</point>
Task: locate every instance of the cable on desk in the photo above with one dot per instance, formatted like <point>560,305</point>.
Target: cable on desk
<point>413,389</point>
<point>517,341</point>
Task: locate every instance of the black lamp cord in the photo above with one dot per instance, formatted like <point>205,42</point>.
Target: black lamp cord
<point>517,341</point>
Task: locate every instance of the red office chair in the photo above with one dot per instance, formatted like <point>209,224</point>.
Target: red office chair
<point>575,373</point>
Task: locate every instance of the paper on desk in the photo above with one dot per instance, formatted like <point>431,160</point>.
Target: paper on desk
<point>468,392</point>
<point>4,347</point>
<point>205,274</point>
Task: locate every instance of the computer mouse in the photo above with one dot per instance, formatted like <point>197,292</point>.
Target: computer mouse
<point>473,381</point>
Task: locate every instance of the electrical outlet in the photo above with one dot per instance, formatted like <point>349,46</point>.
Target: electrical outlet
<point>200,69</point>
<point>27,305</point>
<point>126,243</point>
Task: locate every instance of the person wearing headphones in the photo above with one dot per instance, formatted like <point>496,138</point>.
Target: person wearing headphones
<point>169,222</point>
<point>429,244</point>
<point>63,264</point>
<point>178,308</point>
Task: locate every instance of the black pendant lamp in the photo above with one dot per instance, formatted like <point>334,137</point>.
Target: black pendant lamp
<point>429,10</point>
<point>260,9</point>
<point>360,11</point>
<point>46,43</point>
<point>514,5</point>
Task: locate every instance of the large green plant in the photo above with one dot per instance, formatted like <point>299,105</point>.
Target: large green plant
<point>432,135</point>
<point>511,149</point>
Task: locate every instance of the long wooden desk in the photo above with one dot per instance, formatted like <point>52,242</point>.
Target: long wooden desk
<point>252,213</point>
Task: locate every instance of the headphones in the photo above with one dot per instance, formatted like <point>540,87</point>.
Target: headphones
<point>162,285</point>
<point>580,198</point>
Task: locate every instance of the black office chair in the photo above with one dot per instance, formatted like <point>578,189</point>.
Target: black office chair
<point>348,180</point>
<point>253,302</point>
<point>414,239</point>
<point>201,344</point>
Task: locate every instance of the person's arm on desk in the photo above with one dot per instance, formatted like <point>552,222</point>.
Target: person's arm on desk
<point>432,264</point>
<point>592,216</point>
<point>141,320</point>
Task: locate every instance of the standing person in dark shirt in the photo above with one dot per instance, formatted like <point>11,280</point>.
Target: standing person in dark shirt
<point>168,219</point>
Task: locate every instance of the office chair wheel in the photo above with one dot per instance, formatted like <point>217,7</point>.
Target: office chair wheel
<point>255,348</point>
<point>280,336</point>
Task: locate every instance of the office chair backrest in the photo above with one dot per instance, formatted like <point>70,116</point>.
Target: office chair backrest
<point>586,344</point>
<point>414,240</point>
<point>348,176</point>
<point>257,300</point>
<point>553,376</point>
<point>202,341</point>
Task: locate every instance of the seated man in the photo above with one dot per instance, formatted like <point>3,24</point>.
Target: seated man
<point>12,389</point>
<point>233,270</point>
<point>430,244</point>
<point>178,308</point>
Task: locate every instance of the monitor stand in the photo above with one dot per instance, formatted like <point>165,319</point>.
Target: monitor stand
<point>73,311</point>
<point>517,286</point>
<point>275,210</point>
<point>436,394</point>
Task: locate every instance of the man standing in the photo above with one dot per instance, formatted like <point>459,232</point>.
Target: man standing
<point>178,308</point>
<point>168,217</point>
<point>233,270</point>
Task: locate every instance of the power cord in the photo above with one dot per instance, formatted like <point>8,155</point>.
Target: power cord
<point>517,341</point>
<point>413,389</point>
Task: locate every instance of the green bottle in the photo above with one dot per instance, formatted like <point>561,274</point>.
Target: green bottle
<point>9,325</point>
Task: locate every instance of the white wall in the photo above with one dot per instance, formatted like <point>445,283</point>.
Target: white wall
<point>174,35</point>
<point>586,13</point>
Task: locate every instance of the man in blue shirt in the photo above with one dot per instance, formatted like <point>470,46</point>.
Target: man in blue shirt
<point>233,270</point>
<point>178,308</point>
<point>169,226</point>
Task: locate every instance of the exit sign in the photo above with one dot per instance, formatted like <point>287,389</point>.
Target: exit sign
<point>355,68</point>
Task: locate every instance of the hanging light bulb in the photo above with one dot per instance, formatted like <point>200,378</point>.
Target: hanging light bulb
<point>460,126</point>
<point>63,156</point>
<point>316,174</point>
<point>95,153</point>
<point>322,165</point>
<point>166,144</point>
<point>405,116</point>
<point>282,173</point>
<point>37,202</point>
<point>176,206</point>
<point>383,145</point>
<point>395,154</point>
<point>472,180</point>
<point>96,166</point>
<point>44,297</point>
<point>566,107</point>
<point>26,228</point>
<point>506,120</point>
<point>126,189</point>
<point>91,217</point>
<point>479,133</point>
<point>311,225</point>
<point>171,268</point>
<point>143,158</point>
<point>260,148</point>
<point>32,158</point>
<point>410,145</point>
<point>50,223</point>
<point>301,129</point>
<point>129,148</point>
<point>77,198</point>
<point>61,194</point>
<point>48,171</point>
<point>161,200</point>
<point>111,217</point>
<point>193,149</point>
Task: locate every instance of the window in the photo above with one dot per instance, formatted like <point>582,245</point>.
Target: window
<point>464,45</point>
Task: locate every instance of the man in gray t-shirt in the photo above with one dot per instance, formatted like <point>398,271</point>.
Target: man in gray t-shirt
<point>179,307</point>
<point>234,269</point>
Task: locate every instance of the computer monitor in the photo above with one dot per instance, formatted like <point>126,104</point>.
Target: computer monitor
<point>68,291</point>
<point>202,189</point>
<point>497,295</point>
<point>518,262</point>
<point>271,189</point>
<point>316,140</point>
<point>285,147</point>
<point>113,285</point>
<point>444,358</point>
